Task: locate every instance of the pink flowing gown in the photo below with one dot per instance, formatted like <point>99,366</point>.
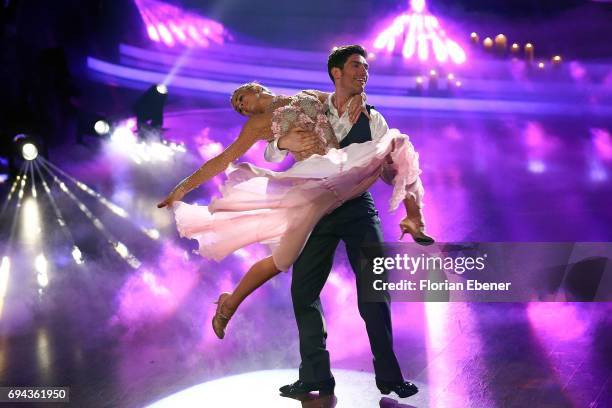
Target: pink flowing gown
<point>282,208</point>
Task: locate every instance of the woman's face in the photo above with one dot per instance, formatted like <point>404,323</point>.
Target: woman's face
<point>246,102</point>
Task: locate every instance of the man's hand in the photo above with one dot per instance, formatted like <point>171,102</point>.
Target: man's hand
<point>299,140</point>
<point>356,106</point>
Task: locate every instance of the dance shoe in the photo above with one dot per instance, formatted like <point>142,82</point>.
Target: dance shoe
<point>416,228</point>
<point>300,387</point>
<point>403,389</point>
<point>222,316</point>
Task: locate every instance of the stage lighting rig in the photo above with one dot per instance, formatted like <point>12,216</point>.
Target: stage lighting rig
<point>25,148</point>
<point>93,124</point>
<point>102,127</point>
<point>149,108</point>
<point>419,33</point>
<point>29,151</point>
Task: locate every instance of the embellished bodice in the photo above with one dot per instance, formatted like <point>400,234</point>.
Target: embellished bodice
<point>306,111</point>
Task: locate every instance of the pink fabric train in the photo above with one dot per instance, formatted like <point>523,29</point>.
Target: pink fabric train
<point>282,208</point>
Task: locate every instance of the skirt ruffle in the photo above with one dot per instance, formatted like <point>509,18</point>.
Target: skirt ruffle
<point>281,208</point>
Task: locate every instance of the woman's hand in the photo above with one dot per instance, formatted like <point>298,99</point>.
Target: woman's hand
<point>356,106</point>
<point>176,195</point>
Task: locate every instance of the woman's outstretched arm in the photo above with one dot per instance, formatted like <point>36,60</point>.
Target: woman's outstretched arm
<point>254,129</point>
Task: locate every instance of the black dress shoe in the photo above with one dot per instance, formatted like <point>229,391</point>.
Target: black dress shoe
<point>301,387</point>
<point>402,389</point>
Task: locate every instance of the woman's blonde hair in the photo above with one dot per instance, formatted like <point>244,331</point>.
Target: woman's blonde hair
<point>249,86</point>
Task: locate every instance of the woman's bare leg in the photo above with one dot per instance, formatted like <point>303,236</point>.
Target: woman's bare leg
<point>261,272</point>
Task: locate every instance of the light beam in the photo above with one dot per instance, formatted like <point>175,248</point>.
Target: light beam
<point>419,33</point>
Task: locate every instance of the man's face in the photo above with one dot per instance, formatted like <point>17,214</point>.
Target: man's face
<point>354,75</point>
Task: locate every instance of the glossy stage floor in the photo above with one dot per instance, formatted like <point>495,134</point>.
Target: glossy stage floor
<point>130,326</point>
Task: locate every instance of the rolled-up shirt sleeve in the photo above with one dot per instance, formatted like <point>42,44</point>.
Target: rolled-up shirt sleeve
<point>378,128</point>
<point>273,153</point>
<point>401,189</point>
<point>378,125</point>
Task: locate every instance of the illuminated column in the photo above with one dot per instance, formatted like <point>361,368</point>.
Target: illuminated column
<point>488,44</point>
<point>515,49</point>
<point>501,43</point>
<point>433,80</point>
<point>419,83</point>
<point>529,52</point>
<point>474,39</point>
<point>451,82</point>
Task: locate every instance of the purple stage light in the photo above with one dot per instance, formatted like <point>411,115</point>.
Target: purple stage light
<point>602,140</point>
<point>154,292</point>
<point>422,36</point>
<point>171,25</point>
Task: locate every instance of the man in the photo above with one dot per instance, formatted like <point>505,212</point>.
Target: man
<point>356,223</point>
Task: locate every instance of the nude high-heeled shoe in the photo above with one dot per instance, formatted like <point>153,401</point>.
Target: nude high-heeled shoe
<point>222,316</point>
<point>416,228</point>
<point>413,224</point>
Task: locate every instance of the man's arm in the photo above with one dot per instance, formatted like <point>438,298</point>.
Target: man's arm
<point>273,153</point>
<point>297,140</point>
<point>413,200</point>
<point>378,125</point>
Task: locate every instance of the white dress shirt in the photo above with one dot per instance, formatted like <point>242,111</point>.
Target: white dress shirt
<point>341,126</point>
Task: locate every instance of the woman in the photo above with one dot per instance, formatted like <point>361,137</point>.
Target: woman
<point>282,208</point>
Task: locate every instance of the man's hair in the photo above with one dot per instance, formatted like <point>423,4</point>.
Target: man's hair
<point>339,56</point>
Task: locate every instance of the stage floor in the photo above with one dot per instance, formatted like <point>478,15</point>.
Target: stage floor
<point>128,336</point>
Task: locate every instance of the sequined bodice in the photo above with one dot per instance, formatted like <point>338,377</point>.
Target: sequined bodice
<point>306,111</point>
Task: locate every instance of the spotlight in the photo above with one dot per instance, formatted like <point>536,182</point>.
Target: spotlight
<point>541,65</point>
<point>25,148</point>
<point>102,127</point>
<point>92,124</point>
<point>149,108</point>
<point>162,89</point>
<point>123,135</point>
<point>29,151</point>
<point>419,34</point>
